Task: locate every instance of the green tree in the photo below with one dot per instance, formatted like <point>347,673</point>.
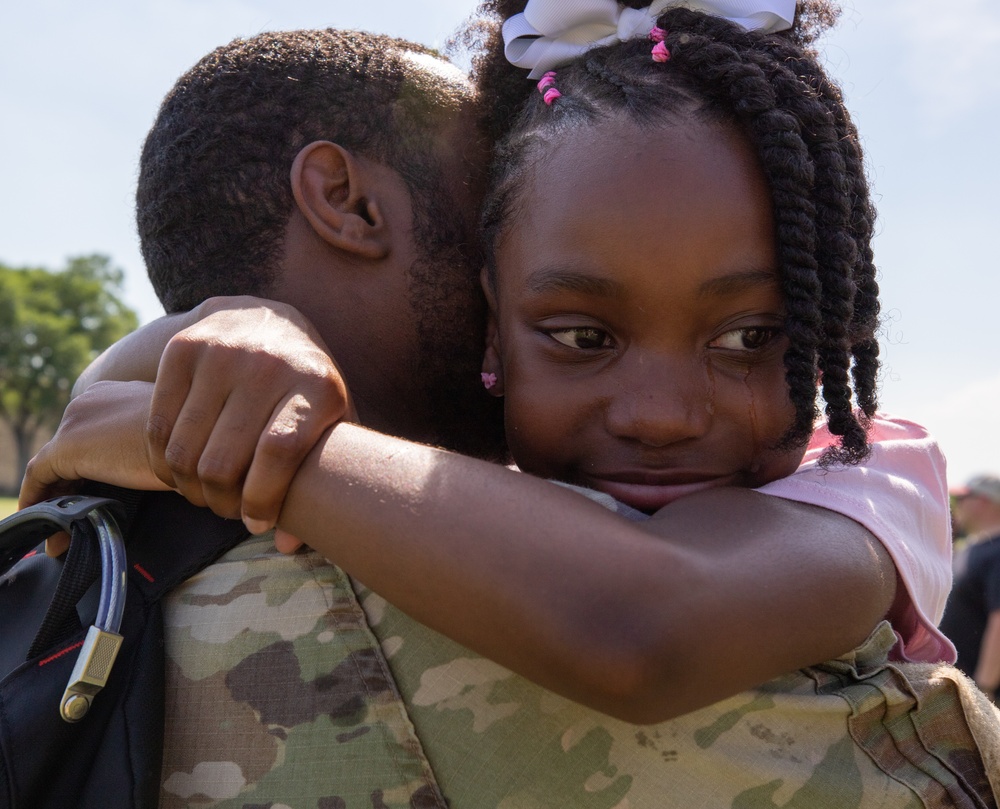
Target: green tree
<point>52,324</point>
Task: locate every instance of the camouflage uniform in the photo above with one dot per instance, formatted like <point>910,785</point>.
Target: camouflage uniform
<point>855,732</point>
<point>280,695</point>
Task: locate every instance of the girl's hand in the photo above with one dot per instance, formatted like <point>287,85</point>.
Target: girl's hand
<point>241,397</point>
<point>101,437</point>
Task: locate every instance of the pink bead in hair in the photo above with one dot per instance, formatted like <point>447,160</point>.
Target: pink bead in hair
<point>661,53</point>
<point>551,95</point>
<point>657,34</point>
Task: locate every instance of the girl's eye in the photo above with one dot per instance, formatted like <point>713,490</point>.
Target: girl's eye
<point>582,338</point>
<point>752,338</point>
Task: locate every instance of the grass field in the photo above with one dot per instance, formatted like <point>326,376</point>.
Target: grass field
<point>8,505</point>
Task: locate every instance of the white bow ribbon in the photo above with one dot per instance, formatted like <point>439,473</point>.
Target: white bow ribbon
<point>551,33</point>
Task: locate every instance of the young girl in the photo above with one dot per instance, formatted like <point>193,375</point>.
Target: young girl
<point>678,240</point>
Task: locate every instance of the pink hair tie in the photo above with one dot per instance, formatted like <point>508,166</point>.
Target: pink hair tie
<point>546,86</point>
<point>657,34</point>
<point>661,53</point>
<point>547,80</point>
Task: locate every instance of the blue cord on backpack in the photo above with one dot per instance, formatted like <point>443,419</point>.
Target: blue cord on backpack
<point>22,531</point>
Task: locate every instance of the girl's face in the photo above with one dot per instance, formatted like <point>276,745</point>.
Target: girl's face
<point>637,332</point>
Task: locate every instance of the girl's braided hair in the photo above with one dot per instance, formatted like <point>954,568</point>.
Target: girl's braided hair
<point>773,89</point>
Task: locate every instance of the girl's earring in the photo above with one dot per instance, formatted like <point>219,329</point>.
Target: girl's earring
<point>489,380</point>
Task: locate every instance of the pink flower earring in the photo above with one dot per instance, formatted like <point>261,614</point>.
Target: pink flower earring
<point>489,380</point>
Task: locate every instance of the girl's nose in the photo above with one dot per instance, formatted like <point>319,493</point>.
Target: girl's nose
<point>660,402</point>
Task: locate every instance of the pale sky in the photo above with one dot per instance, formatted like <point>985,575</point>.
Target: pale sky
<point>81,83</point>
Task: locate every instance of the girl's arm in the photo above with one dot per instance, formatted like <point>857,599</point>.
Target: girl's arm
<point>137,355</point>
<point>718,592</point>
<point>644,621</point>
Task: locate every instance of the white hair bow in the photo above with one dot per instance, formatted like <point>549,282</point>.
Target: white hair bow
<point>551,33</point>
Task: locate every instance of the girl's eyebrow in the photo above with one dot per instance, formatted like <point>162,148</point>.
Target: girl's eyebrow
<point>735,283</point>
<point>565,279</point>
<point>572,280</point>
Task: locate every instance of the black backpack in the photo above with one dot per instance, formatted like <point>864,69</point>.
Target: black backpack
<point>66,740</point>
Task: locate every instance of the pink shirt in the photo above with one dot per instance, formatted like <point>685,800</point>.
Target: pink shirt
<point>900,494</point>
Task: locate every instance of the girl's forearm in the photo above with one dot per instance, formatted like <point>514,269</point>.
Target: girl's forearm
<point>571,596</point>
<point>136,356</point>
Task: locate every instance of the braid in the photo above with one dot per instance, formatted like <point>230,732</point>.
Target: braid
<point>863,345</point>
<point>773,89</point>
<point>838,255</point>
<point>866,304</point>
<point>863,215</point>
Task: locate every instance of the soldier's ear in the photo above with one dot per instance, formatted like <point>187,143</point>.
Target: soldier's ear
<point>339,199</point>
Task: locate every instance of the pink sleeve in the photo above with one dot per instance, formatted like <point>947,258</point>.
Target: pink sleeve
<point>900,494</point>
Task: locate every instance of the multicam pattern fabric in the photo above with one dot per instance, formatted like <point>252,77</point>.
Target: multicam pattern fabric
<point>855,732</point>
<point>279,696</point>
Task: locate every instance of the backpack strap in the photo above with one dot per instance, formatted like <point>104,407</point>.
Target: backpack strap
<point>169,540</point>
<point>111,759</point>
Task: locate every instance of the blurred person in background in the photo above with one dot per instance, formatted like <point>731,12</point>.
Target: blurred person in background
<point>972,616</point>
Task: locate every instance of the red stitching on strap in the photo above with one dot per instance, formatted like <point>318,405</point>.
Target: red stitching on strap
<point>144,573</point>
<point>57,655</point>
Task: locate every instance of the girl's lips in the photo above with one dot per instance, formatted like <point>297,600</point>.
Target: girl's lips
<point>651,497</point>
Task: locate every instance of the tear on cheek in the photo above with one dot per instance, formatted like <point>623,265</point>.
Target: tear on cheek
<point>752,413</point>
<point>710,392</point>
